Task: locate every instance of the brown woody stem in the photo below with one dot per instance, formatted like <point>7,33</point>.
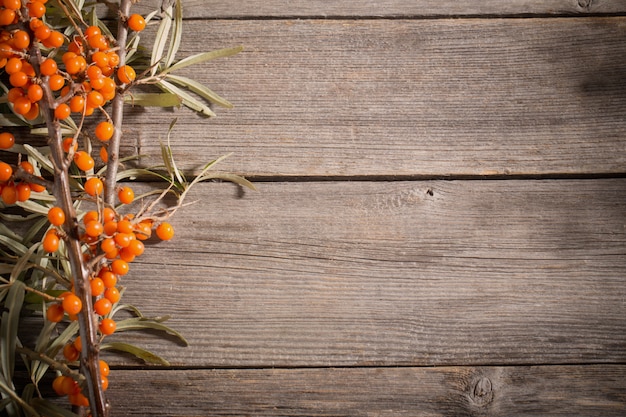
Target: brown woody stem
<point>80,274</point>
<point>117,110</point>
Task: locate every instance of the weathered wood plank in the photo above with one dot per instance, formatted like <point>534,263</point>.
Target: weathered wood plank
<point>406,98</point>
<point>387,8</point>
<point>484,391</point>
<point>376,273</point>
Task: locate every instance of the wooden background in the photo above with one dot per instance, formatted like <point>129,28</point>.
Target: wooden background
<point>439,227</point>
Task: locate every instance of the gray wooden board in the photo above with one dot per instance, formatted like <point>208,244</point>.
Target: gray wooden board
<point>378,273</point>
<point>387,8</point>
<point>455,391</point>
<point>404,98</point>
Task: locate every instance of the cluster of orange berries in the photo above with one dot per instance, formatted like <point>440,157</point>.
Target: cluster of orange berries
<point>120,240</point>
<point>86,77</point>
<point>11,190</point>
<point>66,385</point>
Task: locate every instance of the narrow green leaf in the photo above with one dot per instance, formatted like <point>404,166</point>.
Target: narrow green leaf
<point>62,339</point>
<point>200,89</point>
<point>177,34</point>
<point>153,100</point>
<point>14,245</point>
<point>144,355</point>
<point>230,177</point>
<point>48,409</point>
<point>41,159</point>
<point>160,40</point>
<point>139,323</point>
<point>188,99</point>
<point>202,57</point>
<point>8,329</point>
<point>23,263</point>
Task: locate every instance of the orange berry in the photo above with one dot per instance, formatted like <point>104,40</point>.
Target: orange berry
<point>56,82</point>
<point>136,22</point>
<point>71,303</point>
<point>21,39</point>
<point>34,92</point>
<point>112,294</point>
<point>70,352</point>
<point>126,74</point>
<point>104,130</point>
<point>78,400</point>
<point>77,104</point>
<point>43,32</point>
<point>62,111</point>
<point>108,214</point>
<point>94,228</point>
<point>76,46</point>
<point>48,67</point>
<point>165,231</point>
<point>7,140</point>
<point>103,306</point>
<point>69,386</point>
<point>104,154</point>
<point>98,42</point>
<point>69,144</point>
<point>104,381</point>
<point>23,191</point>
<point>109,279</point>
<point>104,368</point>
<point>119,267</point>
<point>51,241</point>
<point>126,196</point>
<point>122,239</point>
<point>101,59</point>
<point>107,326</point>
<point>55,40</point>
<point>95,99</point>
<point>18,79</point>
<point>9,194</point>
<point>14,94</point>
<point>94,186</point>
<point>55,313</point>
<point>33,112</point>
<point>124,226</point>
<point>22,105</point>
<point>78,343</point>
<point>114,59</point>
<point>83,161</point>
<point>108,245</point>
<point>92,31</point>
<point>27,166</point>
<point>37,188</point>
<point>36,9</point>
<point>57,384</point>
<point>136,247</point>
<point>89,216</point>
<point>12,4</point>
<point>6,171</point>
<point>97,287</point>
<point>56,216</point>
<point>7,17</point>
<point>13,65</point>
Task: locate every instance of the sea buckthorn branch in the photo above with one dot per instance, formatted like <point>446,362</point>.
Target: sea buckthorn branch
<point>80,274</point>
<point>117,112</point>
<point>69,272</point>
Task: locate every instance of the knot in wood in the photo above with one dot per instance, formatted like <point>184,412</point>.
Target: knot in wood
<point>481,393</point>
<point>585,4</point>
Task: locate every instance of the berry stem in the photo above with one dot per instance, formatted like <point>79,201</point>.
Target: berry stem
<point>117,110</point>
<point>62,192</point>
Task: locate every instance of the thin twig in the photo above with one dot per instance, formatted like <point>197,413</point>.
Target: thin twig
<point>117,110</point>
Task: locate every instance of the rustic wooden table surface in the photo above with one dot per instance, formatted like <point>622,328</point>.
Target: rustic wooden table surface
<point>440,222</point>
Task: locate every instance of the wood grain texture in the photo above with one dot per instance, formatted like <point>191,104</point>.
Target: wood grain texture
<point>345,98</point>
<point>387,8</point>
<point>386,274</point>
<point>459,391</point>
